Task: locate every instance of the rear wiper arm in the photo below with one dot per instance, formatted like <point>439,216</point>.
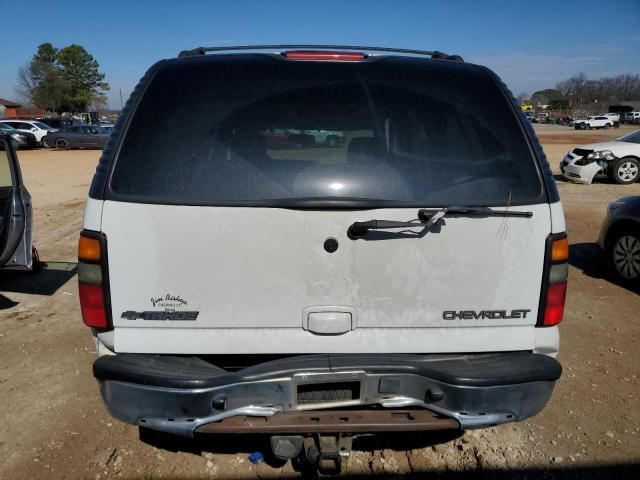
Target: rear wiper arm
<point>359,229</point>
<point>427,218</point>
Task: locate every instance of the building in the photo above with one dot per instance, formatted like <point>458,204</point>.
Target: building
<point>8,109</point>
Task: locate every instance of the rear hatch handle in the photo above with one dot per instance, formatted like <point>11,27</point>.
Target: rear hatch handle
<point>427,218</point>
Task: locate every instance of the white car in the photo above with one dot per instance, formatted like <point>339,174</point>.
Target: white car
<point>593,122</point>
<point>618,160</point>
<point>412,280</point>
<point>614,117</point>
<point>38,129</point>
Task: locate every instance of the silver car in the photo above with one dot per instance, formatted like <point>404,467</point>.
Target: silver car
<point>16,248</point>
<point>620,238</point>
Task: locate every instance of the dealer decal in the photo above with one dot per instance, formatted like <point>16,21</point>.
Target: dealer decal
<point>170,303</point>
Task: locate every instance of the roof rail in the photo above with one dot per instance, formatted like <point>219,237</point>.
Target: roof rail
<point>430,53</point>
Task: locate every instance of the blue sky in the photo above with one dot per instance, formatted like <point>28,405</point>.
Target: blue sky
<point>531,44</point>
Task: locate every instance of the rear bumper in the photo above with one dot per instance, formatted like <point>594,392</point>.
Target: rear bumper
<point>183,394</point>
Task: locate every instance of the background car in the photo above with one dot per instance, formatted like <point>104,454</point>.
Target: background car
<point>617,159</point>
<point>300,139</point>
<point>18,139</point>
<point>541,117</point>
<point>614,117</point>
<point>38,129</point>
<point>632,117</point>
<point>57,123</point>
<point>593,122</point>
<point>276,137</point>
<point>79,136</point>
<point>620,238</point>
<point>329,138</point>
<point>106,129</point>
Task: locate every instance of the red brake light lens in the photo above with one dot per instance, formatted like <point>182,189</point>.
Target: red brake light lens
<point>554,282</point>
<point>318,55</point>
<point>554,310</point>
<point>93,280</point>
<point>94,313</point>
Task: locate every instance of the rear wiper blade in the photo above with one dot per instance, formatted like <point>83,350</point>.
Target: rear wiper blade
<point>428,218</point>
<point>426,214</point>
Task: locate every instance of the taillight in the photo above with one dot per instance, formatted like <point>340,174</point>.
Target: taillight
<point>320,55</point>
<point>554,282</point>
<point>93,281</point>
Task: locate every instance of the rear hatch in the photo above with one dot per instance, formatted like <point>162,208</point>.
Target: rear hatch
<point>228,206</point>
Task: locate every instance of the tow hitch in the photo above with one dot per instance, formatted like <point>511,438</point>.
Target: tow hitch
<point>321,452</point>
<point>326,452</point>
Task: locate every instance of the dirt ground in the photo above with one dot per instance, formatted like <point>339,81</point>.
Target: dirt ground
<point>54,424</point>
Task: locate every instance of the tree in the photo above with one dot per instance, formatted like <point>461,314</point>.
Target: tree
<point>575,88</point>
<point>62,80</point>
<point>98,102</point>
<point>582,91</point>
<point>51,91</point>
<point>41,81</point>
<point>546,97</point>
<point>559,104</point>
<point>81,71</point>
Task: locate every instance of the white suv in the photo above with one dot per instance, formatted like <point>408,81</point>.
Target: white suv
<point>38,129</point>
<point>411,278</point>
<point>593,122</point>
<point>632,117</point>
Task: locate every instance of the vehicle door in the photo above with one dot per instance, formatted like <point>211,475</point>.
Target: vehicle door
<point>96,137</point>
<point>77,136</point>
<point>36,131</point>
<point>29,128</point>
<point>15,212</point>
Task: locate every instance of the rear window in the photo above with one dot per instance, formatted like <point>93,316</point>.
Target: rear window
<point>257,130</point>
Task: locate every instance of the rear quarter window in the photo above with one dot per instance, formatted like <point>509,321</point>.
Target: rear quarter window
<point>257,130</point>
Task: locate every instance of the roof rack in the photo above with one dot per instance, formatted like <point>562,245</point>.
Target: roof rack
<point>435,54</point>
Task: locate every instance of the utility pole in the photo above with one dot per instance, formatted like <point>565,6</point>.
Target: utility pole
<point>121,102</point>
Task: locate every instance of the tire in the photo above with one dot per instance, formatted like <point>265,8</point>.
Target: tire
<point>63,144</point>
<point>625,171</point>
<point>623,254</point>
<point>14,145</point>
<point>44,143</point>
<point>607,126</point>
